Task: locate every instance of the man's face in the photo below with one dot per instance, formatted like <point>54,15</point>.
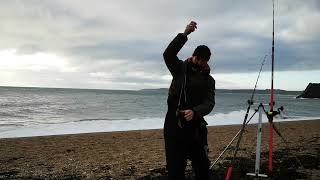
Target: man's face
<point>198,61</point>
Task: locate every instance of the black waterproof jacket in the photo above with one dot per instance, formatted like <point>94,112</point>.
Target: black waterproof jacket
<point>199,94</point>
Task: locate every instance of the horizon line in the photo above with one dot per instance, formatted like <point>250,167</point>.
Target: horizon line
<point>128,89</point>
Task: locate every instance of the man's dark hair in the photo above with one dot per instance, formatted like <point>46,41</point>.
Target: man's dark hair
<point>202,51</point>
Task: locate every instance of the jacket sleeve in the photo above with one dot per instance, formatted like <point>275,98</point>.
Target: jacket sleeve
<point>206,107</point>
<point>170,54</point>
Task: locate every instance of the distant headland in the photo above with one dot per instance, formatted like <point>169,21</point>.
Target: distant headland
<point>258,91</point>
<point>311,91</point>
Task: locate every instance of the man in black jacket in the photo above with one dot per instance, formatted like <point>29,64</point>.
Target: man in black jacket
<point>191,97</point>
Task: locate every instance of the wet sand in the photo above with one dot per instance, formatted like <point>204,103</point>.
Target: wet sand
<point>140,154</point>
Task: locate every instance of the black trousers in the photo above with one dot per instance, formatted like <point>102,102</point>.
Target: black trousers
<point>187,143</point>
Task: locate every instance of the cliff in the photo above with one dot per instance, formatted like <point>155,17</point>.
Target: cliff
<point>312,91</point>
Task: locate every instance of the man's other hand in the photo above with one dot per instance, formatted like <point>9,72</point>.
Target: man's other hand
<point>188,114</point>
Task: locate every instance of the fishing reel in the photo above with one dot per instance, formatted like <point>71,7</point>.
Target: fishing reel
<point>271,114</point>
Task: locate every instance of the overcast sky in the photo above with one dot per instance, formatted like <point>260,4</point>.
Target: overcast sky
<point>119,44</point>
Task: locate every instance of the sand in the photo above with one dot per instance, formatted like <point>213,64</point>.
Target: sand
<point>140,154</point>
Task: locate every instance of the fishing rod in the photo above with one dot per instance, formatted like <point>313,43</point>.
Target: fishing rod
<point>240,133</point>
<point>271,113</point>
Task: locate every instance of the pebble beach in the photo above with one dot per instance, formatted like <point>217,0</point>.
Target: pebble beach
<point>140,154</point>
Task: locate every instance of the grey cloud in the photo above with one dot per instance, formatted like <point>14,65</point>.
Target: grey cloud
<point>238,32</point>
<point>29,49</point>
<point>137,49</point>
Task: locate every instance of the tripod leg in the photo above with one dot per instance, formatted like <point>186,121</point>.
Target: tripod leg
<point>226,148</point>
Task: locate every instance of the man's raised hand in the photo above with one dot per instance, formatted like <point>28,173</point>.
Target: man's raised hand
<point>192,26</point>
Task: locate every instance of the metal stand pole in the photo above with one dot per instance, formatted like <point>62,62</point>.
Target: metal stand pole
<point>258,147</point>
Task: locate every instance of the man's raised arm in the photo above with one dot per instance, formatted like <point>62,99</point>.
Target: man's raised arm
<point>171,52</point>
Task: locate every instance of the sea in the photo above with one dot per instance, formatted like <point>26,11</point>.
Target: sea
<point>32,111</point>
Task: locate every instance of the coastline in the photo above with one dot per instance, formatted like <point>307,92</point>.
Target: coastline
<point>139,154</point>
<point>97,126</point>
